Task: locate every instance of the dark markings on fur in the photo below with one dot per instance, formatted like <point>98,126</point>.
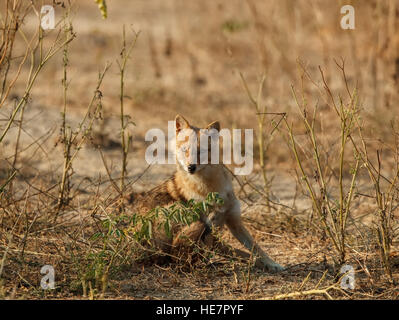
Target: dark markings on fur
<point>163,195</point>
<point>207,231</point>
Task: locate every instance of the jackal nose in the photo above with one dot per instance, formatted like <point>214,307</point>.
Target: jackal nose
<point>191,168</point>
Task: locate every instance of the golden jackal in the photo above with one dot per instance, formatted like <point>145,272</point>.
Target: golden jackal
<point>195,180</point>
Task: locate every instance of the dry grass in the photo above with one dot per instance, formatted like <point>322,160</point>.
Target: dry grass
<point>325,186</point>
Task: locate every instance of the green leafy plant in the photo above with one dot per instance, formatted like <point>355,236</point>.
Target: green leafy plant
<point>116,240</point>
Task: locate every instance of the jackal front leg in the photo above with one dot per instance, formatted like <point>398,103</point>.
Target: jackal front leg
<point>201,232</point>
<point>238,230</point>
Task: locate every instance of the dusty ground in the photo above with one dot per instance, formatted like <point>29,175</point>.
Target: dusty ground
<point>187,60</point>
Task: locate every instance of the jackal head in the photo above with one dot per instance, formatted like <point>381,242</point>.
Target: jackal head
<point>196,147</point>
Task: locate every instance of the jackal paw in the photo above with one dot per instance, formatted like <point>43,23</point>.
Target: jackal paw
<point>268,266</point>
<point>274,267</point>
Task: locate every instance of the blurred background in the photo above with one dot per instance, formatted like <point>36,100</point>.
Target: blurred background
<point>189,55</point>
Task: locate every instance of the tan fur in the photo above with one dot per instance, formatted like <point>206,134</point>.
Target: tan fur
<point>184,186</point>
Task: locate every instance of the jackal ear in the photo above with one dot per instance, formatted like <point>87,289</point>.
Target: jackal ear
<point>214,125</point>
<point>181,123</point>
